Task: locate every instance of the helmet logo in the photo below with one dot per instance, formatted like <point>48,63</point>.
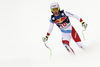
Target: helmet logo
<point>54,5</point>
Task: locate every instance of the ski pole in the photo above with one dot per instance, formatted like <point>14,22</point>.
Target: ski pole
<point>83,31</point>
<point>83,35</point>
<point>49,49</point>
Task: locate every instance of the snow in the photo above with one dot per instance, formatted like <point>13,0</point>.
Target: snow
<point>23,23</point>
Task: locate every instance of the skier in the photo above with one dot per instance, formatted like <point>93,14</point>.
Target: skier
<point>61,19</point>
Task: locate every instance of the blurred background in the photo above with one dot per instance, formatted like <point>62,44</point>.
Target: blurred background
<point>23,23</point>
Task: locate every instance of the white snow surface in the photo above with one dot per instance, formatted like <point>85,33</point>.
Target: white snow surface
<point>23,23</point>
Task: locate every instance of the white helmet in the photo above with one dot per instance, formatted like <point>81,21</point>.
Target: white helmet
<point>54,5</point>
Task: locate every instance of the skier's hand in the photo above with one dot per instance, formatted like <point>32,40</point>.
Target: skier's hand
<point>84,24</point>
<point>45,38</point>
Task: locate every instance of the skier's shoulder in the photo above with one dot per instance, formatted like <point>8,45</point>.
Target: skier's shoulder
<point>63,11</point>
<point>53,17</point>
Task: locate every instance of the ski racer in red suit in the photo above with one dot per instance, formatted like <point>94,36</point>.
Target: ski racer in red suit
<point>61,19</point>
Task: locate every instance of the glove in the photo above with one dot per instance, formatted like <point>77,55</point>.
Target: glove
<point>84,24</point>
<point>45,38</point>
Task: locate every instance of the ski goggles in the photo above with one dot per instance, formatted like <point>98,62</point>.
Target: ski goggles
<point>55,9</point>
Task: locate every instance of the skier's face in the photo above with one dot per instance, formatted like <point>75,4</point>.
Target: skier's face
<point>55,11</point>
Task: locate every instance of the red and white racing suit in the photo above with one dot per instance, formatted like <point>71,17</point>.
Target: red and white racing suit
<point>67,30</point>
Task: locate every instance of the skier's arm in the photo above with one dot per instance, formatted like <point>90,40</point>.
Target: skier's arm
<point>77,17</point>
<point>50,28</point>
<point>73,15</point>
<point>49,31</point>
